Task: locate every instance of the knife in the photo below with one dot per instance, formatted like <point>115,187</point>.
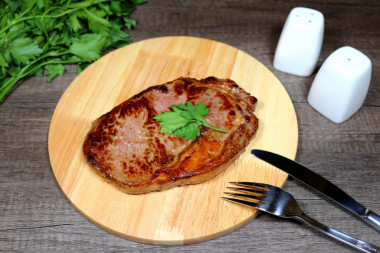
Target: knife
<point>320,184</point>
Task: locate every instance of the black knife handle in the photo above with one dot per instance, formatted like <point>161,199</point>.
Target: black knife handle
<point>372,218</point>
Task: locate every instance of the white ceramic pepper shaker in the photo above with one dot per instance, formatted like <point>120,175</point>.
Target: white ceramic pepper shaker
<point>341,85</point>
<point>300,42</point>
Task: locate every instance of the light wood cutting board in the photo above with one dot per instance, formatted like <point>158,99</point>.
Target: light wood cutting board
<point>181,215</point>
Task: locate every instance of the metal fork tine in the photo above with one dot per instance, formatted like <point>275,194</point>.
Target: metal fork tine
<point>251,184</point>
<point>254,191</point>
<point>242,202</point>
<point>258,199</point>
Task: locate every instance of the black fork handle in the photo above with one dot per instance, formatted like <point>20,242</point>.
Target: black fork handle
<point>349,240</point>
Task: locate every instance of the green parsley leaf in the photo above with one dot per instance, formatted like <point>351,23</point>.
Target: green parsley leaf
<point>185,120</point>
<point>74,22</point>
<point>116,7</point>
<point>53,70</point>
<point>130,23</point>
<point>88,46</point>
<point>171,121</point>
<point>24,49</point>
<point>3,62</point>
<point>96,22</point>
<point>190,132</point>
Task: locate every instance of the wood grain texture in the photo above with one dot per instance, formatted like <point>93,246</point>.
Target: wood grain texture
<point>35,215</point>
<point>181,215</point>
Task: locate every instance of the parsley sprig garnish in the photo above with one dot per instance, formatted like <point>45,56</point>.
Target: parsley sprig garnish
<point>185,120</point>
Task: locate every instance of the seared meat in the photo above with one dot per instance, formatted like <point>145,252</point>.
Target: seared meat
<point>126,147</point>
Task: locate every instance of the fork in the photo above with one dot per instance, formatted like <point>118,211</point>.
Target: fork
<point>276,201</point>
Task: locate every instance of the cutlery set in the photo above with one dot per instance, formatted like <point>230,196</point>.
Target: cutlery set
<point>276,201</point>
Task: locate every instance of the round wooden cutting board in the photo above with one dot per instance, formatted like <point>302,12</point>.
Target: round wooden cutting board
<point>180,215</point>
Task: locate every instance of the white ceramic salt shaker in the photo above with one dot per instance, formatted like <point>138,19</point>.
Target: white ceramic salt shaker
<point>341,85</point>
<point>300,42</point>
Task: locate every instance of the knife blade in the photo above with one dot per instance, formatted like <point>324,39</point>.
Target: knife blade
<point>320,184</point>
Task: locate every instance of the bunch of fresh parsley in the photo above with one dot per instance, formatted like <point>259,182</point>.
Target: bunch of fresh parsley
<point>38,37</point>
<point>185,121</point>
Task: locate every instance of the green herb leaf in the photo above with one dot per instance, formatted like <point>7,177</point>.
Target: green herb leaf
<point>88,47</point>
<point>3,62</point>
<point>190,132</point>
<point>53,70</point>
<point>129,23</point>
<point>185,120</point>
<point>171,121</point>
<point>23,50</point>
<point>74,22</point>
<point>96,22</point>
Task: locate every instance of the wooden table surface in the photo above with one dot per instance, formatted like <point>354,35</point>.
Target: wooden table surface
<point>35,216</point>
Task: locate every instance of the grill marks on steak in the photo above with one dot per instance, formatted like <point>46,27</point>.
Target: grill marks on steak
<point>126,147</point>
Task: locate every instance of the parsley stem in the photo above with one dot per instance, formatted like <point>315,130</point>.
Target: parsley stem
<point>203,122</point>
<point>9,83</point>
<point>214,128</point>
<point>54,61</point>
<point>26,71</point>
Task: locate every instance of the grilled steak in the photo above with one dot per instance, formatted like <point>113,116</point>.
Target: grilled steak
<point>126,147</point>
